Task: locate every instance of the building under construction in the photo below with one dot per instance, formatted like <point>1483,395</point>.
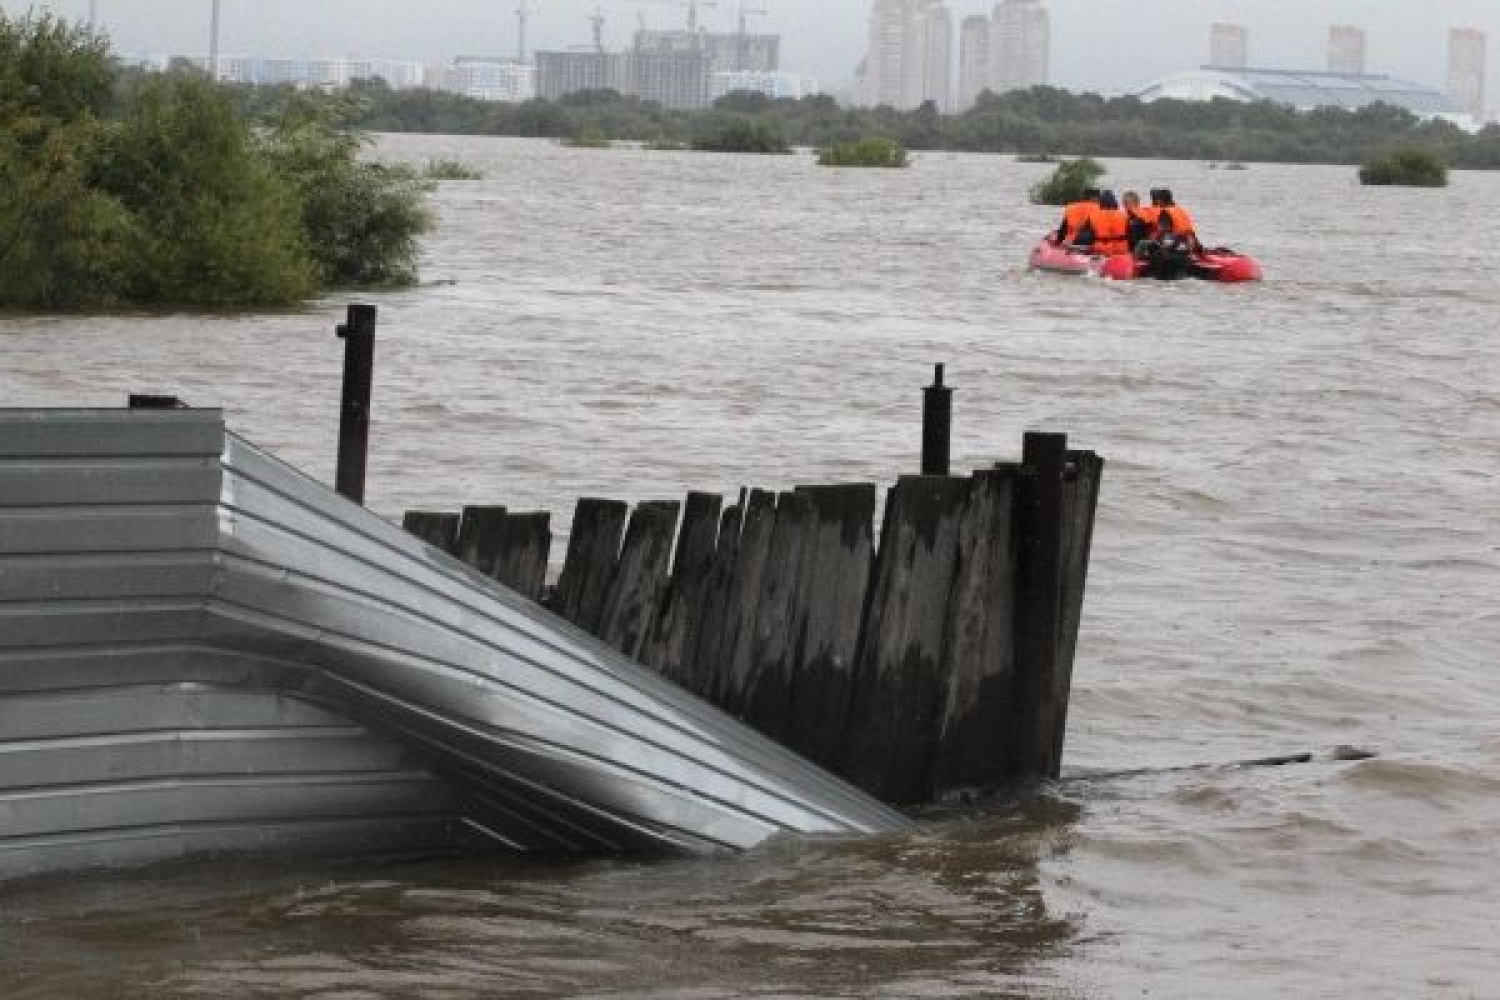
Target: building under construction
<point>670,68</point>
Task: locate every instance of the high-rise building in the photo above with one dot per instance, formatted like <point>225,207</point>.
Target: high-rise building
<point>1466,59</point>
<point>1346,49</point>
<point>747,53</point>
<point>937,57</point>
<point>881,82</point>
<point>671,68</point>
<point>1020,45</point>
<point>559,74</point>
<point>910,55</point>
<point>1228,46</point>
<point>675,69</point>
<point>973,60</point>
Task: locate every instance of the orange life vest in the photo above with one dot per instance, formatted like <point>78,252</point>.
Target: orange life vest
<point>1150,215</point>
<point>1111,226</point>
<point>1177,221</point>
<point>1074,216</point>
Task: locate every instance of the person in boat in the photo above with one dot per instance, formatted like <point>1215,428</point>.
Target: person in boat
<point>1140,220</point>
<point>1174,221</point>
<point>1074,218</point>
<point>1110,226</point>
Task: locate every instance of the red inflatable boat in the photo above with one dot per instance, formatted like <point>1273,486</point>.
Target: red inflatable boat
<point>1216,264</point>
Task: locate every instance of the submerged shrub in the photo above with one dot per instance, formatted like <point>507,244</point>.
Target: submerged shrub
<point>876,151</point>
<point>180,201</point>
<point>215,224</point>
<point>1068,182</point>
<point>363,221</point>
<point>63,242</point>
<point>733,132</point>
<point>1406,167</point>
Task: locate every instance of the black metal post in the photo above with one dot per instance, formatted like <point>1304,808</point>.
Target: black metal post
<point>358,335</point>
<point>937,426</point>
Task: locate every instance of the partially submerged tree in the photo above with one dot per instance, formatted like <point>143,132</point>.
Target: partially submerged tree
<point>1068,182</point>
<point>174,198</point>
<point>1406,167</point>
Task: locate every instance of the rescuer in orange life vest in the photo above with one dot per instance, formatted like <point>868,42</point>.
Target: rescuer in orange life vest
<point>1110,226</point>
<point>1140,220</point>
<point>1174,220</point>
<point>1075,215</point>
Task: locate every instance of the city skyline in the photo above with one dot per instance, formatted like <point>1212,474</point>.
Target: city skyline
<point>1155,36</point>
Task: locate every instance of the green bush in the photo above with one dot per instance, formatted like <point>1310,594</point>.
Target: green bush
<point>363,221</point>
<point>63,242</point>
<point>1068,182</point>
<point>1406,167</point>
<point>215,225</point>
<point>876,151</point>
<point>178,200</point>
<point>734,132</point>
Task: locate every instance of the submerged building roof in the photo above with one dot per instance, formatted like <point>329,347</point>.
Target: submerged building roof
<point>1303,89</point>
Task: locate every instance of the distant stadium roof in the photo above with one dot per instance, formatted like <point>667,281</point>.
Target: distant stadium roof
<point>1301,89</point>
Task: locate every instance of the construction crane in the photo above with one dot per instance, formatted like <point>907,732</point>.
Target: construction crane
<point>746,12</point>
<point>523,13</point>
<point>742,43</point>
<point>596,21</point>
<point>692,9</point>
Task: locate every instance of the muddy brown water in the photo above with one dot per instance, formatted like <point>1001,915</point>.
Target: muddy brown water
<point>1298,549</point>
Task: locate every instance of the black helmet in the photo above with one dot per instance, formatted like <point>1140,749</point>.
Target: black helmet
<point>1091,194</point>
<point>1156,196</point>
<point>1107,200</point>
<point>1166,197</point>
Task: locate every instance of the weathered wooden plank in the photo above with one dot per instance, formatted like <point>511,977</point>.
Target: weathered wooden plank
<point>436,529</point>
<point>976,736</point>
<point>1081,486</point>
<point>589,567</point>
<point>737,650</point>
<point>675,634</point>
<point>768,686</point>
<point>521,553</point>
<point>479,536</point>
<point>1038,607</point>
<point>708,652</point>
<point>826,616</point>
<point>641,577</point>
<point>899,687</point>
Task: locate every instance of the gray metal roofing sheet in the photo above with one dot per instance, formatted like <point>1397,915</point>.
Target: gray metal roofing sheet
<point>159,569</point>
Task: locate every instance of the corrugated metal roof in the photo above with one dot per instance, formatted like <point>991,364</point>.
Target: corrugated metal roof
<point>203,649</point>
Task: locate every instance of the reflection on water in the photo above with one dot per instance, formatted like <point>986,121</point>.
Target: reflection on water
<point>1298,548</point>
<point>955,910</point>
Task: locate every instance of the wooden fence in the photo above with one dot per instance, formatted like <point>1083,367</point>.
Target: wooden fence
<point>939,660</point>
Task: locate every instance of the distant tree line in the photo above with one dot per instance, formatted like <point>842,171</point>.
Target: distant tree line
<point>1042,120</point>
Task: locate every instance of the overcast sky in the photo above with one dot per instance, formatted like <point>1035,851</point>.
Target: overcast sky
<point>1110,45</point>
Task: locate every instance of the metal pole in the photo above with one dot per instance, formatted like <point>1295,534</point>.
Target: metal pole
<point>93,14</point>
<point>937,426</point>
<point>358,335</point>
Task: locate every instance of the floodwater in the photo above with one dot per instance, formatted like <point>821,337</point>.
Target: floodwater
<point>1298,550</point>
